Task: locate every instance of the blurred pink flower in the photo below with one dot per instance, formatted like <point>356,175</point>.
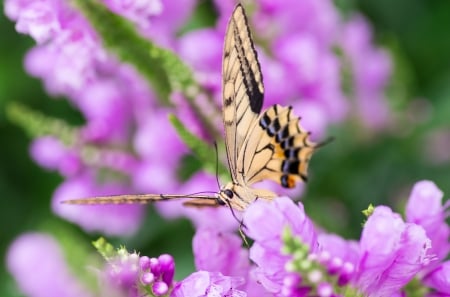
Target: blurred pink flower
<point>39,267</point>
<point>115,219</point>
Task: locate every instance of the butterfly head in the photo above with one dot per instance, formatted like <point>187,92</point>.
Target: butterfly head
<point>232,196</point>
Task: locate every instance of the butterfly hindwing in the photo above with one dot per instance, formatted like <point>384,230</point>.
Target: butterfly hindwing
<point>277,148</point>
<point>243,89</point>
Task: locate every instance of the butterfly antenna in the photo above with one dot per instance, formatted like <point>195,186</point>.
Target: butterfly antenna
<point>325,142</point>
<point>217,164</point>
<point>202,192</point>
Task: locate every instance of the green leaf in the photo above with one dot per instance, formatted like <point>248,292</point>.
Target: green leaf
<point>369,211</point>
<point>202,150</point>
<point>120,37</point>
<point>105,248</point>
<point>37,124</point>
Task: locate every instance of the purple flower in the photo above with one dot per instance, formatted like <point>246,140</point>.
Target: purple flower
<point>115,219</point>
<point>424,207</point>
<point>39,267</point>
<point>217,218</point>
<point>163,27</point>
<point>265,223</point>
<point>340,257</point>
<point>207,62</point>
<point>157,141</point>
<point>133,275</point>
<point>314,71</point>
<point>392,253</point>
<point>439,279</point>
<point>336,246</point>
<point>205,284</point>
<point>220,252</point>
<point>140,12</point>
<point>39,19</point>
<point>50,153</point>
<point>106,112</point>
<point>371,69</point>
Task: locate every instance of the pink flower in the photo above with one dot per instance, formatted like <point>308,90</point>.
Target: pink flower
<point>50,153</point>
<point>392,253</point>
<point>217,218</point>
<point>38,265</point>
<point>205,284</point>
<point>115,219</point>
<point>439,279</point>
<point>39,19</point>
<point>220,252</point>
<point>265,222</point>
<point>424,207</point>
<point>371,69</point>
<point>140,12</point>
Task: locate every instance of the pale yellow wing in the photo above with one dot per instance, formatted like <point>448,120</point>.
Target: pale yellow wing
<point>243,89</point>
<point>277,148</point>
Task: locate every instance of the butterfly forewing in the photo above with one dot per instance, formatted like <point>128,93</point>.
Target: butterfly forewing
<point>243,89</point>
<point>140,199</point>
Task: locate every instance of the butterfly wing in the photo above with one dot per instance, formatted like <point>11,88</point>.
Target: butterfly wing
<point>142,199</point>
<point>243,89</point>
<point>277,148</point>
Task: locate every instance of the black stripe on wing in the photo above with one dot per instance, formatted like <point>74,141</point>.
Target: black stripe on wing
<point>248,58</point>
<point>289,147</point>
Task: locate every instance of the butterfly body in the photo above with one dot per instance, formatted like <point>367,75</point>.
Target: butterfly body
<point>259,145</point>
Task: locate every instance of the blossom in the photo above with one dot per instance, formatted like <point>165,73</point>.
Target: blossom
<point>115,219</point>
<point>392,252</point>
<point>140,12</point>
<point>424,207</point>
<point>439,279</point>
<point>371,69</point>
<point>204,283</point>
<point>137,275</point>
<point>339,256</point>
<point>50,153</point>
<point>346,250</point>
<point>217,218</point>
<point>265,222</point>
<point>32,252</point>
<point>39,19</point>
<point>220,252</point>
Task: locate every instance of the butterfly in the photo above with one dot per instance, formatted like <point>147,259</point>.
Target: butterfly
<point>269,145</point>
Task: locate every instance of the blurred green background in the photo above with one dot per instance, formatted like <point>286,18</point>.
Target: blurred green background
<point>346,176</point>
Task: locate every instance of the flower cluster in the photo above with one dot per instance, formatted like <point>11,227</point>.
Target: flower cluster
<point>389,255</point>
<point>289,257</point>
<point>136,275</point>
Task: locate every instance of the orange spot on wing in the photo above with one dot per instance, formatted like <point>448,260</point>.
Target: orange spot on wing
<point>279,151</point>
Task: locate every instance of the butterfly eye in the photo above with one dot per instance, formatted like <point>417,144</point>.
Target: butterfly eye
<point>220,201</point>
<point>228,193</point>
